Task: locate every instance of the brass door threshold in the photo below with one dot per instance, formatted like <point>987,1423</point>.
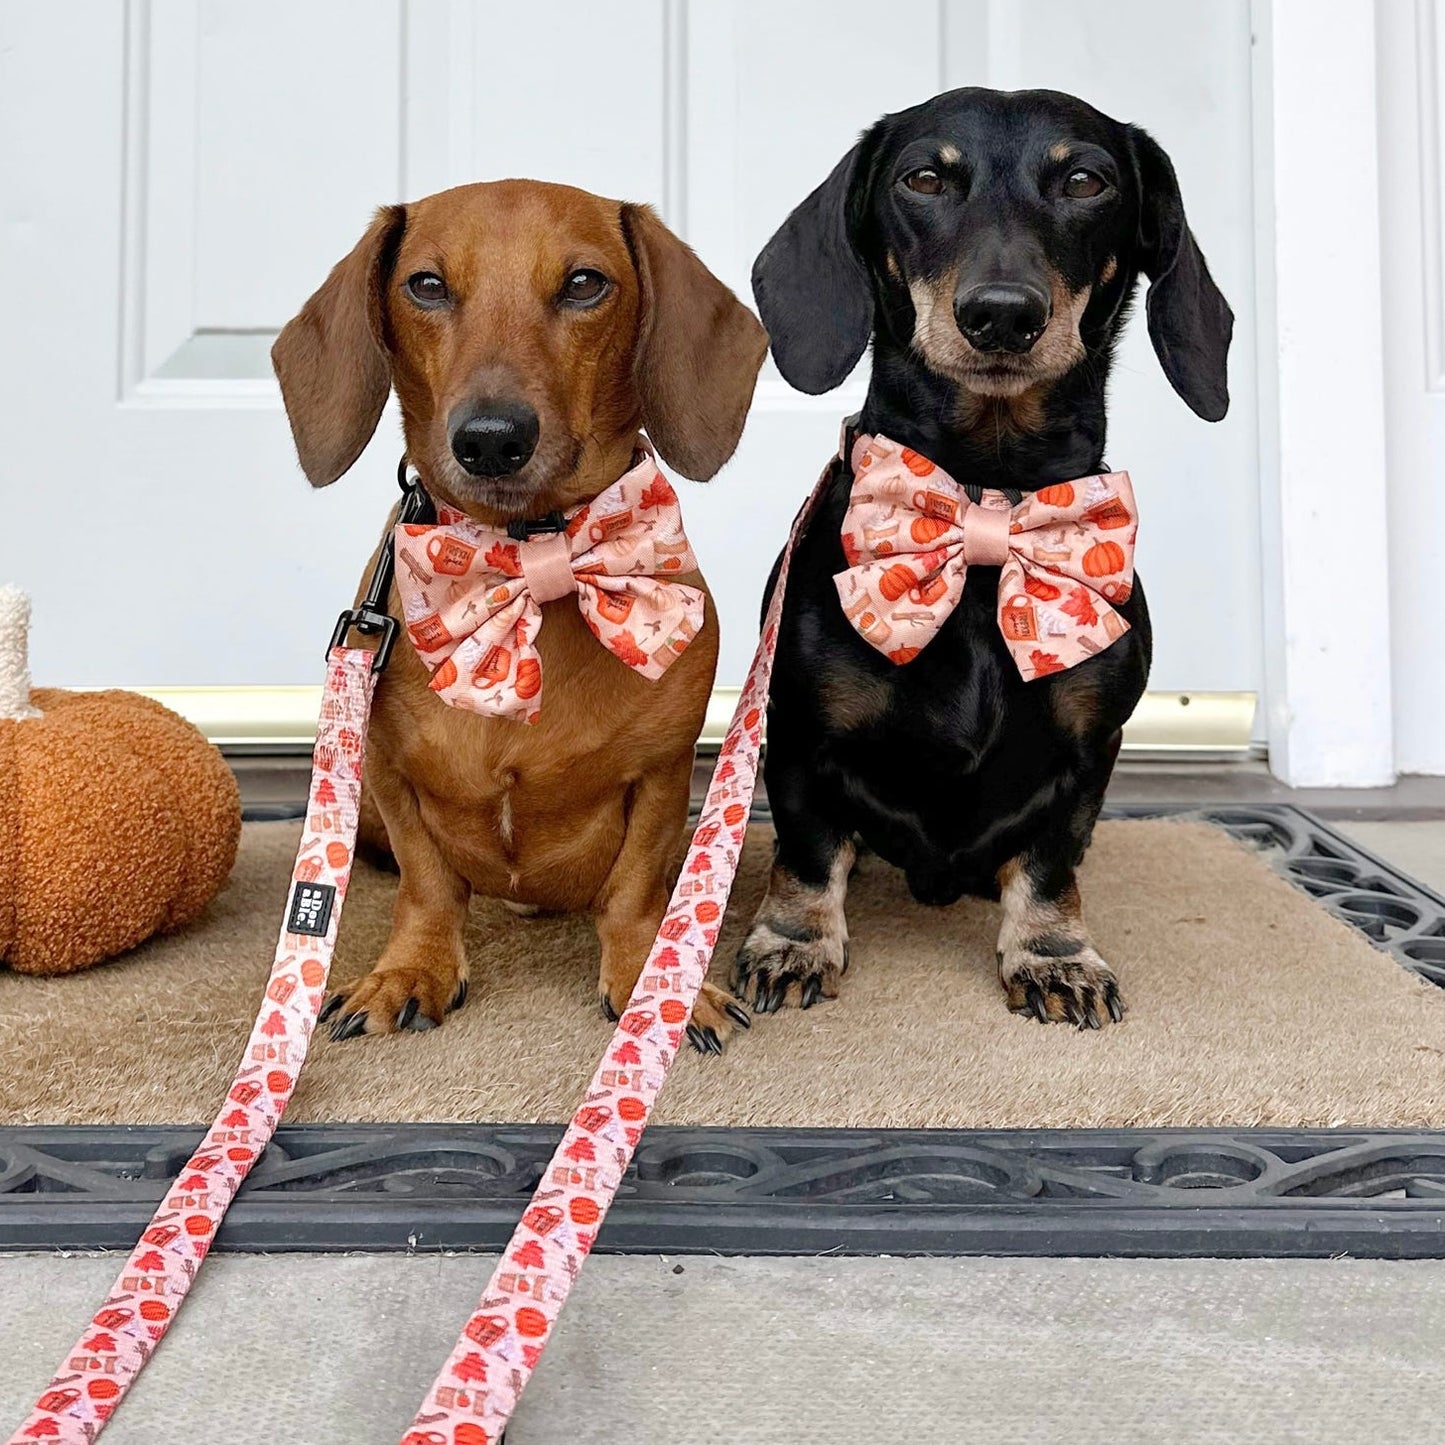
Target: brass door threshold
<point>1199,726</point>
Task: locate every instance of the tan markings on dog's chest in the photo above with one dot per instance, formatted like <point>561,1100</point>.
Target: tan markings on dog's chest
<point>989,420</point>
<point>851,700</point>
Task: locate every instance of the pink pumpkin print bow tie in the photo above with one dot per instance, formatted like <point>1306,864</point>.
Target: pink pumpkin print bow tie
<point>1065,553</point>
<point>472,595</point>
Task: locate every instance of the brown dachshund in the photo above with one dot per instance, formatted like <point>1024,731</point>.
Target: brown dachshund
<point>532,332</point>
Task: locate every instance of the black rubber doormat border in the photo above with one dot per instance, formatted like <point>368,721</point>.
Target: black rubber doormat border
<point>1158,1192</point>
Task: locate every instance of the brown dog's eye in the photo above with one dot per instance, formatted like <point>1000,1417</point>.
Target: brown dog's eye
<point>427,288</point>
<point>584,287</point>
<point>926,182</point>
<point>1082,184</point>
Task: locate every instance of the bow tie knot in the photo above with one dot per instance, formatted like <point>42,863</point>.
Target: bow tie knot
<point>1064,553</point>
<point>546,563</point>
<point>986,532</point>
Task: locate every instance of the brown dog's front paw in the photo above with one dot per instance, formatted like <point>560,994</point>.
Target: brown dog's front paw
<point>390,1000</point>
<point>774,970</point>
<point>1079,989</point>
<point>715,1017</point>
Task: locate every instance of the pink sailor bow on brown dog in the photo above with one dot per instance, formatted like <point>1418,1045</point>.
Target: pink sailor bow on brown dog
<point>472,595</point>
<point>1065,554</point>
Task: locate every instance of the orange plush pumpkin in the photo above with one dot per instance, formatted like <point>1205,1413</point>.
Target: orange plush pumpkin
<point>118,820</point>
<point>1103,558</point>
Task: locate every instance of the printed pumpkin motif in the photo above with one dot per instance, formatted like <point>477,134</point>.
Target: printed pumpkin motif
<point>1103,558</point>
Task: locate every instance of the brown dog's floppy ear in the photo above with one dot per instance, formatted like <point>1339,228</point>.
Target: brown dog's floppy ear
<point>331,357</point>
<point>1190,322</point>
<point>698,350</point>
<point>812,290</point>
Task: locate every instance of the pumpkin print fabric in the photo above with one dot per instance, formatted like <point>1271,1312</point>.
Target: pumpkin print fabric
<point>1065,555</point>
<point>472,595</point>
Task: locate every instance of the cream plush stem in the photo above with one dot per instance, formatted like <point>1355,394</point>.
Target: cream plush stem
<point>14,655</point>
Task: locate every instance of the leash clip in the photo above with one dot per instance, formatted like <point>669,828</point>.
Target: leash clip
<point>520,530</point>
<point>370,617</point>
<point>367,622</point>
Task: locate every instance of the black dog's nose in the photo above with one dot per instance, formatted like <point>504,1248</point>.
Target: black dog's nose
<point>495,438</point>
<point>1002,316</point>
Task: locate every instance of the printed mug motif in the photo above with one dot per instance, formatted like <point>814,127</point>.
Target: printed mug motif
<point>475,615</point>
<point>1065,555</point>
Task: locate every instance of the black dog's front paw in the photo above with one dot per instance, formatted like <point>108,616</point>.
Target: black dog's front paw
<point>1079,989</point>
<point>774,971</point>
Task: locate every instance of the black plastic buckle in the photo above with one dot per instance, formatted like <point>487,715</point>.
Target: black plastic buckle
<point>370,617</point>
<point>519,530</point>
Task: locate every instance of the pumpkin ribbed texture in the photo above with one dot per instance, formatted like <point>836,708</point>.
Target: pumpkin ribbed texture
<point>118,820</point>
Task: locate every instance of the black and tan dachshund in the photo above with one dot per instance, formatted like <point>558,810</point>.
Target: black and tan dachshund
<point>988,244</point>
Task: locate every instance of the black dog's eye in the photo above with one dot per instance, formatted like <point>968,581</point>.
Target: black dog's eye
<point>1082,184</point>
<point>926,182</point>
<point>583,288</point>
<point>427,288</point>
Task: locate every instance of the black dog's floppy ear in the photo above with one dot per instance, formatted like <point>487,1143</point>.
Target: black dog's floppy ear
<point>698,353</point>
<point>331,357</point>
<point>1190,322</point>
<point>812,289</point>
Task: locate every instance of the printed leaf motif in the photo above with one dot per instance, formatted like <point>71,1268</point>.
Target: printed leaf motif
<point>658,494</point>
<point>1080,606</point>
<point>624,644</point>
<point>529,1256</point>
<point>505,559</point>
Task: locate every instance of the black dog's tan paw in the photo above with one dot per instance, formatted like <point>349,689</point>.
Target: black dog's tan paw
<point>390,1000</point>
<point>774,970</point>
<point>1079,989</point>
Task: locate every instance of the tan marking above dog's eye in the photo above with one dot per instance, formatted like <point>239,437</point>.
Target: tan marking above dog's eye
<point>427,288</point>
<point>584,287</point>
<point>927,182</point>
<point>1082,184</point>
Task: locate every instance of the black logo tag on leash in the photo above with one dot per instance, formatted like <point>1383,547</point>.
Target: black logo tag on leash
<point>311,909</point>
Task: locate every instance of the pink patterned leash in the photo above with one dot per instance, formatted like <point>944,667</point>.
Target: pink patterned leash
<point>502,1342</point>
<point>162,1267</point>
<point>125,1331</point>
<point>472,1399</point>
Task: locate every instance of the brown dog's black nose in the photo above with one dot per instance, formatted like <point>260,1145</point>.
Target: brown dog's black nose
<point>1002,316</point>
<point>494,438</point>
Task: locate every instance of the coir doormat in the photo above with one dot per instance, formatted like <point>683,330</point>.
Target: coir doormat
<point>1259,1020</point>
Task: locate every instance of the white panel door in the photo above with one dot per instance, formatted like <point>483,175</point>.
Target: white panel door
<point>176,177</point>
<point>1412,199</point>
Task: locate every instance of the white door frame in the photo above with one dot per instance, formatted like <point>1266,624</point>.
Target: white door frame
<point>1326,552</point>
